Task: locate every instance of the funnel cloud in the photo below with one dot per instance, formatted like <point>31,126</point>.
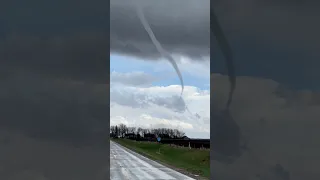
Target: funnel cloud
<point>157,44</point>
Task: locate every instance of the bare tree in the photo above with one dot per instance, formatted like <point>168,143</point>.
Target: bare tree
<point>165,132</point>
<point>117,131</point>
<point>131,129</point>
<point>112,129</point>
<point>171,133</point>
<point>145,131</point>
<point>139,131</point>
<point>123,129</point>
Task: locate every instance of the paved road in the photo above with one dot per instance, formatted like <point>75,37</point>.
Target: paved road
<point>128,165</point>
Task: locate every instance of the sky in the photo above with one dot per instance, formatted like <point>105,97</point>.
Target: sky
<point>147,94</point>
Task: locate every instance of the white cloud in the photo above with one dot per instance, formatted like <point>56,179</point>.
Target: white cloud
<point>288,134</point>
<point>161,106</point>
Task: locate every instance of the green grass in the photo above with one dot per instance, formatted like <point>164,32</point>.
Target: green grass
<point>194,161</point>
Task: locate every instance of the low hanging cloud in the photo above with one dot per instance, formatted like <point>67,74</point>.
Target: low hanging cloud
<point>183,29</point>
<point>278,124</point>
<point>142,97</point>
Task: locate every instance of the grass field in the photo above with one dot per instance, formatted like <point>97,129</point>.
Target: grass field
<point>194,161</point>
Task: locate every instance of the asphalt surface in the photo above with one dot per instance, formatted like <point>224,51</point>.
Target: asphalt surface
<point>128,165</point>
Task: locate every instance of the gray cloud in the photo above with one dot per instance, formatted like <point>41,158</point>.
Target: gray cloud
<point>175,103</point>
<point>126,94</point>
<point>183,28</point>
<point>126,98</point>
<point>132,78</point>
<point>276,125</point>
<point>134,99</point>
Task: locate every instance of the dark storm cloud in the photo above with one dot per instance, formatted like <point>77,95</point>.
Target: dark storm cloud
<point>180,26</point>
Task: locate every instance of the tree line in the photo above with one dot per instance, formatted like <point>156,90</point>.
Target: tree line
<point>121,130</point>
